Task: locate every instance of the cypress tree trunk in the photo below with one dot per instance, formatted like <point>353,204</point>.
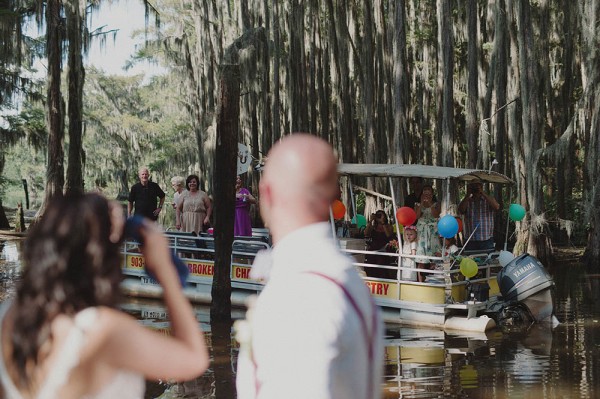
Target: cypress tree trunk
<point>446,128</point>
<point>533,227</point>
<point>312,73</point>
<point>564,183</point>
<point>55,178</point>
<point>74,183</point>
<point>368,84</point>
<point>296,67</point>
<point>267,128</point>
<point>224,189</point>
<point>472,127</point>
<point>589,12</point>
<point>221,347</point>
<point>447,47</point>
<point>276,70</point>
<point>399,151</point>
<point>500,83</point>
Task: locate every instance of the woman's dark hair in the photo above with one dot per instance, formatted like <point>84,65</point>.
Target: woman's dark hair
<point>189,179</point>
<point>427,186</point>
<point>380,213</point>
<point>69,264</point>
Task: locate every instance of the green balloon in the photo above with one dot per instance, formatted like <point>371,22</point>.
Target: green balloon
<point>516,212</point>
<point>468,267</point>
<point>359,220</point>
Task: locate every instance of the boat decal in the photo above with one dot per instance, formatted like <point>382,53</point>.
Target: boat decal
<point>149,280</point>
<point>383,289</point>
<point>241,273</point>
<point>200,269</point>
<point>135,262</point>
<point>524,269</point>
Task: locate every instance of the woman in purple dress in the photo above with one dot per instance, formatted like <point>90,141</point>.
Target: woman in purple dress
<point>243,200</point>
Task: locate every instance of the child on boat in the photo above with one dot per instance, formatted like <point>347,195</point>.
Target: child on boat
<point>409,248</point>
<point>450,247</point>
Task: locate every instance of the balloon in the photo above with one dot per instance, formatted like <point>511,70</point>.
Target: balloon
<point>468,267</point>
<point>460,224</point>
<point>359,220</point>
<point>338,209</point>
<point>406,216</point>
<point>505,257</point>
<point>447,226</point>
<point>516,212</point>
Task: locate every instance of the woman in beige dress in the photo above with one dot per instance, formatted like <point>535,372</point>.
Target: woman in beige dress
<point>194,207</point>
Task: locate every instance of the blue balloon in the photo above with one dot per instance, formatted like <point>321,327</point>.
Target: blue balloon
<point>447,226</point>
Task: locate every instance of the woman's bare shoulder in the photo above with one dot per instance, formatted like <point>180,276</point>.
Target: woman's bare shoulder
<point>105,324</point>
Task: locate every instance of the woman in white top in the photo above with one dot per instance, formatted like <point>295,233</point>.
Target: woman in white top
<point>178,185</point>
<point>63,335</point>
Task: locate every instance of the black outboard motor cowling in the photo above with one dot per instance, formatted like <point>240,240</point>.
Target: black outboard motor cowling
<point>525,280</point>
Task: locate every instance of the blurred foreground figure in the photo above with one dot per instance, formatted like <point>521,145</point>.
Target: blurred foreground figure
<point>63,336</point>
<point>314,331</point>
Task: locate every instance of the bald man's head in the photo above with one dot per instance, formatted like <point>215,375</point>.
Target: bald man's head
<point>299,182</point>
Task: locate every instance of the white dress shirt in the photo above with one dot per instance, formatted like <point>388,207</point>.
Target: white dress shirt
<point>306,336</point>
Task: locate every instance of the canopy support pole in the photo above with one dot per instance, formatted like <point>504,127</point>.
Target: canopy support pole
<point>447,205</point>
<point>507,221</point>
<point>353,201</point>
<point>398,235</point>
<point>332,223</point>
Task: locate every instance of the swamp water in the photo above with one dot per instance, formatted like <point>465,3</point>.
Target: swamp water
<point>534,362</point>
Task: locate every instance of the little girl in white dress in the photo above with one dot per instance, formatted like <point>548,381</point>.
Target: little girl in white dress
<point>409,248</point>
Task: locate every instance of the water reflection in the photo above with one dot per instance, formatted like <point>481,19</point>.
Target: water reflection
<point>219,380</point>
<point>10,267</point>
<point>531,362</point>
<point>431,364</point>
<point>222,359</point>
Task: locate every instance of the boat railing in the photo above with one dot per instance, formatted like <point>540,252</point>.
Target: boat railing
<point>198,252</point>
<point>444,283</point>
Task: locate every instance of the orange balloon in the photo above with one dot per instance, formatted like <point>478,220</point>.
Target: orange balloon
<point>460,224</point>
<point>406,216</point>
<point>338,209</point>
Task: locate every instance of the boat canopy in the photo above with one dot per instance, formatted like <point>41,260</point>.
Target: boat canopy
<point>425,171</point>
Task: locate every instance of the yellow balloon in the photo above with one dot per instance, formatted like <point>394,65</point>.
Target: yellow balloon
<point>468,267</point>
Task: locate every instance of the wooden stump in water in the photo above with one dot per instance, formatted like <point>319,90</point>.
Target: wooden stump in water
<point>3,219</point>
<point>20,219</point>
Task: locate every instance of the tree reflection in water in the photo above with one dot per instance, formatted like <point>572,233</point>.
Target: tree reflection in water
<point>218,382</point>
<point>223,365</point>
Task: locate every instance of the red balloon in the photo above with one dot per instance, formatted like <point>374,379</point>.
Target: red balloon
<point>338,209</point>
<point>460,224</point>
<point>406,216</point>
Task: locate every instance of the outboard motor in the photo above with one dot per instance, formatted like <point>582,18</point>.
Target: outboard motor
<point>524,280</point>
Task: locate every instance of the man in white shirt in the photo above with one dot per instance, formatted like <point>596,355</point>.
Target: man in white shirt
<point>314,331</point>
